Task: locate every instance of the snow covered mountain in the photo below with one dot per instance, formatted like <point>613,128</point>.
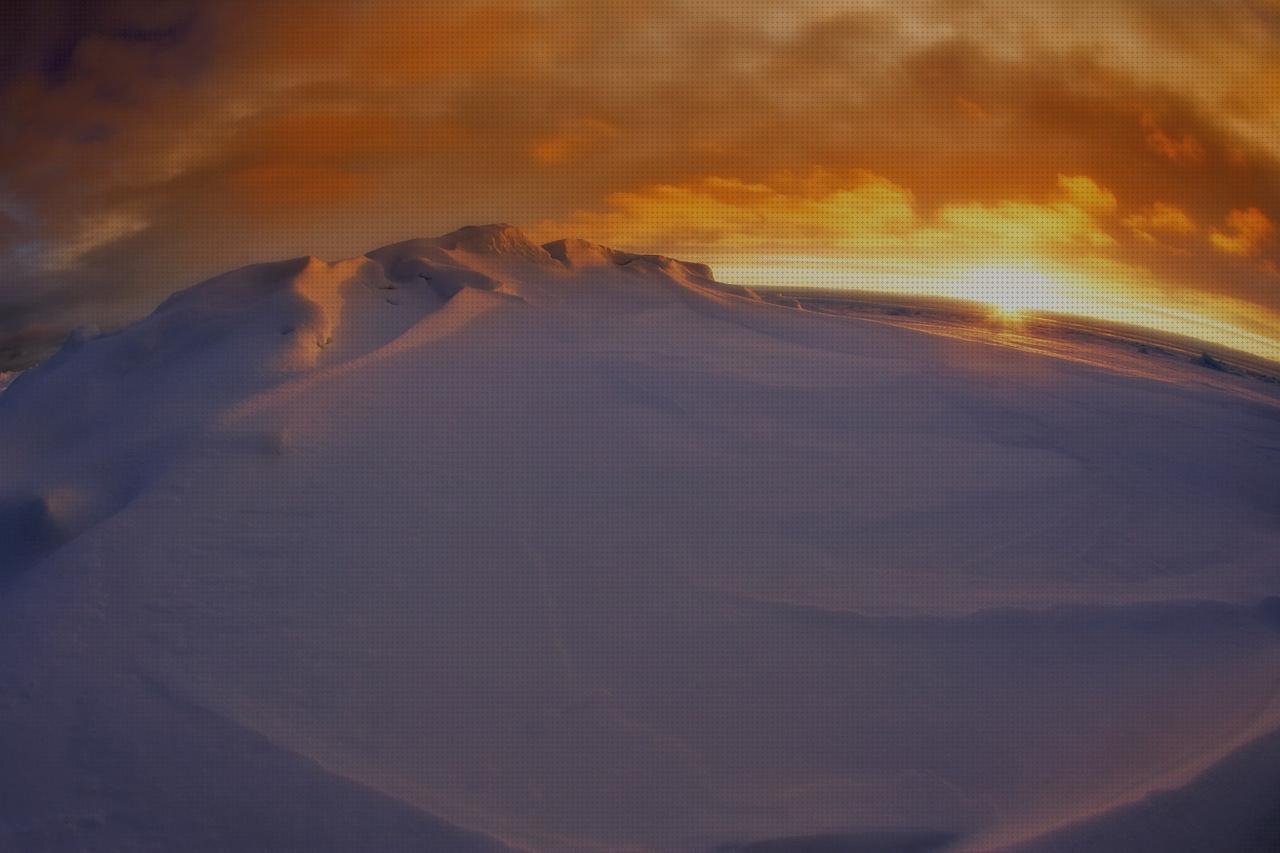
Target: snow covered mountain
<point>474,544</point>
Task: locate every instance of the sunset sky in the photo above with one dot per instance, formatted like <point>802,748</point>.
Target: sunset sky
<point>1116,158</point>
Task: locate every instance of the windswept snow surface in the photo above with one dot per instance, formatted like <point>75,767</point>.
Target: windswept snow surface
<point>472,544</point>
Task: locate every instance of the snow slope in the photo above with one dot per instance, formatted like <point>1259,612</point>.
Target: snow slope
<point>471,544</point>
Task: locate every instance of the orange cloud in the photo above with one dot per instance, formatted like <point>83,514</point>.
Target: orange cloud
<point>575,140</point>
<point>1085,192</point>
<point>292,186</point>
<point>1184,149</point>
<point>718,214</point>
<point>1161,218</point>
<point>1067,224</point>
<point>855,215</point>
<point>972,109</point>
<point>393,43</point>
<point>1247,231</point>
<point>319,136</point>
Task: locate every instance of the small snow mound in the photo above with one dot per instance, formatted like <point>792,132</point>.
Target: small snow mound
<point>34,525</point>
<point>1207,360</point>
<point>499,240</point>
<point>1269,611</point>
<point>235,289</point>
<point>671,265</point>
<point>418,261</point>
<point>582,254</point>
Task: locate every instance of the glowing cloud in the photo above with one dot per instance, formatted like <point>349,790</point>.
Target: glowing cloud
<point>1161,219</point>
<point>1246,232</point>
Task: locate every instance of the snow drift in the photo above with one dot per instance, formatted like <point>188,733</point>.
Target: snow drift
<point>473,544</point>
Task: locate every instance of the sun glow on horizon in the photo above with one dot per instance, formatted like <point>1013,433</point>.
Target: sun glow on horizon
<point>1015,291</point>
<point>1012,291</point>
<point>1074,246</point>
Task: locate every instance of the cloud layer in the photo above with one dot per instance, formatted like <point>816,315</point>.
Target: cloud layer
<point>1137,141</point>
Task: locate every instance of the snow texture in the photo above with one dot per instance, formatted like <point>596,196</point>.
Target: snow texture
<point>473,544</point>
